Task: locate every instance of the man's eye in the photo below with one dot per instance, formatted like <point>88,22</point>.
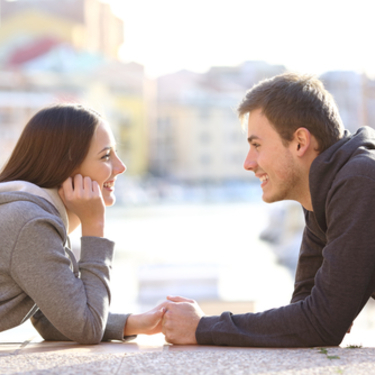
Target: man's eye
<point>255,145</point>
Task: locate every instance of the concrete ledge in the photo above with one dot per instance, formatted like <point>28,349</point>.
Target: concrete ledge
<point>151,355</point>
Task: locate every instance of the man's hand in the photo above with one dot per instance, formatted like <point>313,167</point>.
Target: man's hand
<point>181,320</point>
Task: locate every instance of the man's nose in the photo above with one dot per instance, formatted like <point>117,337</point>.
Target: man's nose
<point>250,162</point>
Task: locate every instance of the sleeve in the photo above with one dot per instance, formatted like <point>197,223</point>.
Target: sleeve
<point>342,285</point>
<point>309,262</point>
<point>113,331</point>
<point>76,307</point>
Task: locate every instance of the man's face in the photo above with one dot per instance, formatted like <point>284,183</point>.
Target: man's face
<point>271,161</point>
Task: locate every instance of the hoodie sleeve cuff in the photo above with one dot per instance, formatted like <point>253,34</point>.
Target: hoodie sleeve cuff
<point>115,328</point>
<point>96,248</point>
<point>205,328</point>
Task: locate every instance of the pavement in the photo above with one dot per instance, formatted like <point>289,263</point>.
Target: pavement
<point>152,355</point>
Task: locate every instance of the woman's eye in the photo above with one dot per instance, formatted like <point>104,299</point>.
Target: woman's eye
<point>106,157</point>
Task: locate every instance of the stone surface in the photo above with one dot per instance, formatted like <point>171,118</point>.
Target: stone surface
<point>22,351</point>
<point>151,355</point>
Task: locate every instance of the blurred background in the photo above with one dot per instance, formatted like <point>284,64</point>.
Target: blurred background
<point>168,76</point>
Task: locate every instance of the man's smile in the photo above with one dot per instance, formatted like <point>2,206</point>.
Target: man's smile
<point>263,178</point>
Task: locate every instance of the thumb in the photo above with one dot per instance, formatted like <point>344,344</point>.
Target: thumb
<point>179,299</point>
<point>158,313</point>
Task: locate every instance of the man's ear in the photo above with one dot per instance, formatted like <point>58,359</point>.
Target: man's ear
<point>301,141</point>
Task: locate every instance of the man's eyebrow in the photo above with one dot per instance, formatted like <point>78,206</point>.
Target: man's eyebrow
<point>251,138</point>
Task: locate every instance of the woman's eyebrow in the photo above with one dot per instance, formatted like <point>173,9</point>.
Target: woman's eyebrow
<point>104,149</point>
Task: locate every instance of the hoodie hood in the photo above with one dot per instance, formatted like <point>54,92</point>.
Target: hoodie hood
<point>333,164</point>
<point>50,195</point>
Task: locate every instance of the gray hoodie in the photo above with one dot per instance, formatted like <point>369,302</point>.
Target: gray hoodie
<point>40,277</point>
<point>336,268</point>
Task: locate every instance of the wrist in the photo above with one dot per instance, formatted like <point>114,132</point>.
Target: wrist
<point>93,229</point>
<point>130,325</point>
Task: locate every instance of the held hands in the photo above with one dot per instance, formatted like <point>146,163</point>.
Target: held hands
<point>177,318</point>
<point>147,323</point>
<point>83,197</point>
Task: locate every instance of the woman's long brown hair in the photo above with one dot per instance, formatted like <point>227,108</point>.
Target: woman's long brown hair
<point>52,145</point>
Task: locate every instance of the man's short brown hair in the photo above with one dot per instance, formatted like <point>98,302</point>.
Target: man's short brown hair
<point>291,101</point>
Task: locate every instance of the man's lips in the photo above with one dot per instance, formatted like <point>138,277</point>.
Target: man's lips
<point>263,178</point>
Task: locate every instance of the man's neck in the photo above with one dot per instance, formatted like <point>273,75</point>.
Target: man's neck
<point>307,205</point>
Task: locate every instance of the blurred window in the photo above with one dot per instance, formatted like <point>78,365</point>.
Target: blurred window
<point>205,159</point>
<point>205,138</point>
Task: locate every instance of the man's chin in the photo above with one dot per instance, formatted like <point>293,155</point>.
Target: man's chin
<point>266,198</point>
<point>270,199</point>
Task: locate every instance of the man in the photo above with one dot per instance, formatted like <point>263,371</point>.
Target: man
<point>300,151</point>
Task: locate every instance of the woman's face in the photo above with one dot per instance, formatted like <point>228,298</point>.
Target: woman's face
<point>102,163</point>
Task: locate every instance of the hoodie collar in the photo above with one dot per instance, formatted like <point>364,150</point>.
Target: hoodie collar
<point>51,195</point>
<point>328,164</point>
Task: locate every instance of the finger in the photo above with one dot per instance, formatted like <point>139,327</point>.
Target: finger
<point>158,314</point>
<point>66,189</point>
<point>179,299</point>
<point>67,184</point>
<point>78,182</point>
<point>87,187</point>
<point>162,305</point>
<point>96,189</point>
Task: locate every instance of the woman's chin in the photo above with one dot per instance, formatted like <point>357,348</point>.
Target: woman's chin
<point>109,200</point>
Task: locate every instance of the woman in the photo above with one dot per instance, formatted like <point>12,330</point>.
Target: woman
<point>62,173</point>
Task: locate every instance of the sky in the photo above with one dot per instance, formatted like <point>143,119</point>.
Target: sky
<point>305,36</point>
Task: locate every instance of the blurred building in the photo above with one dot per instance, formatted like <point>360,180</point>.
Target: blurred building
<point>182,126</point>
<point>66,50</point>
<point>198,136</point>
<point>130,98</point>
<point>369,103</point>
<point>28,26</point>
<point>354,94</point>
<point>17,103</point>
<point>347,90</point>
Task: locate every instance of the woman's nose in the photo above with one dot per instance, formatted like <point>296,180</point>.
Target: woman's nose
<point>120,167</point>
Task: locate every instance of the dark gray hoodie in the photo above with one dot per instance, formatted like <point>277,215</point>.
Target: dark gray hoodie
<point>40,277</point>
<point>336,269</point>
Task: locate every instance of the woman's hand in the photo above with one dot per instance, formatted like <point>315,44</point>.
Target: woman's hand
<point>83,197</point>
<point>147,323</point>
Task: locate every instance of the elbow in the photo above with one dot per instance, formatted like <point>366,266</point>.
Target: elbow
<point>90,341</point>
<point>331,342</point>
<point>89,331</point>
<point>87,335</point>
<point>89,338</point>
<point>331,339</point>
